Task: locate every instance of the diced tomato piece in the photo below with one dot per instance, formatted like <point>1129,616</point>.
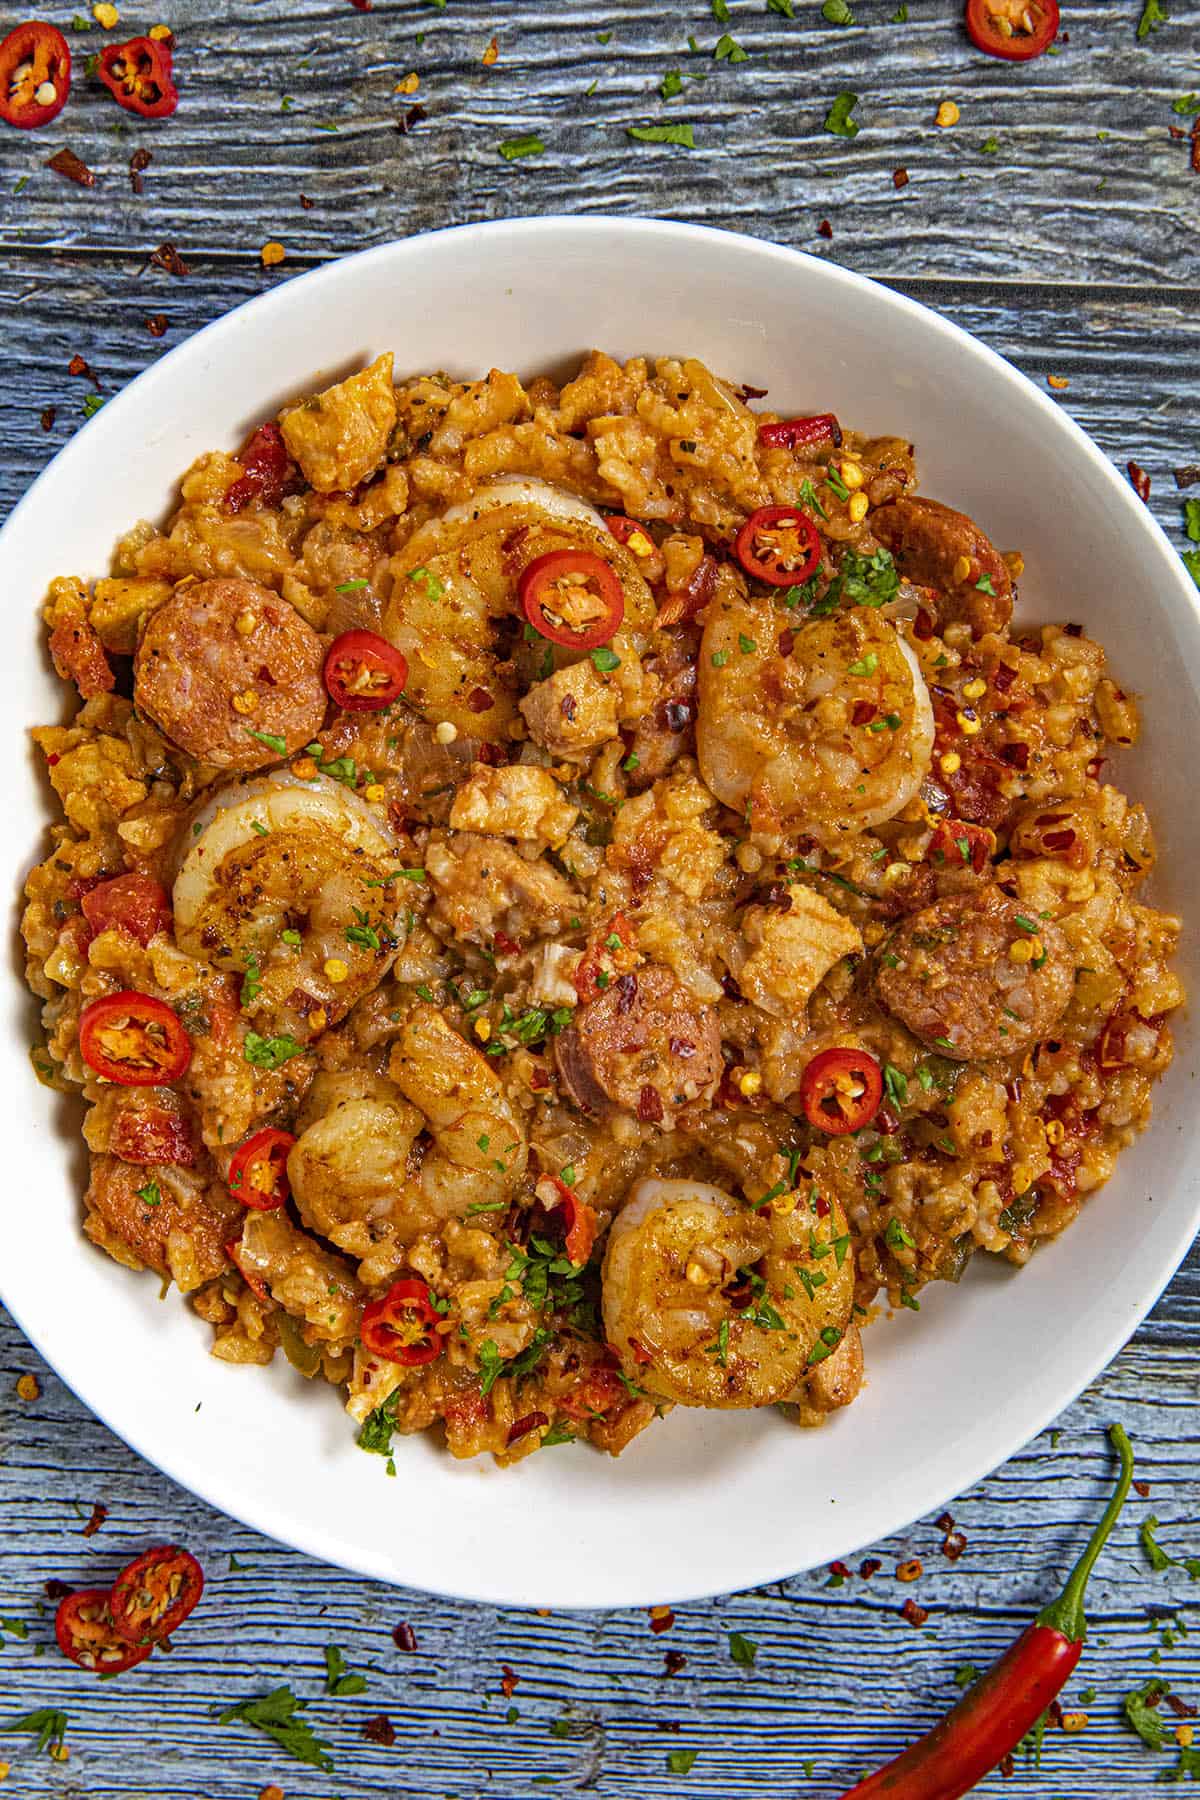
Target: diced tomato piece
<point>133,903</point>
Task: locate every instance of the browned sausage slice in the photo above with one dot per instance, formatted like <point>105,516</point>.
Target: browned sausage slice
<point>936,547</point>
<point>950,975</point>
<point>644,1046</point>
<point>223,659</point>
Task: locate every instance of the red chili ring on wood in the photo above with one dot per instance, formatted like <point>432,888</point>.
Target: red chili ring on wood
<point>138,76</point>
<point>363,672</point>
<point>985,33</point>
<point>87,1634</point>
<point>826,1090</point>
<point>33,56</point>
<point>154,1595</point>
<point>797,544</point>
<point>566,577</point>
<point>133,1039</point>
<point>258,1170</point>
<point>400,1326</point>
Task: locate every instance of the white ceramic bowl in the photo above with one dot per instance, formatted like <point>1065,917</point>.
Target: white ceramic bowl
<point>706,1502</point>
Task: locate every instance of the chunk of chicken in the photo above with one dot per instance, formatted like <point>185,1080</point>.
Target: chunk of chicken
<point>792,952</point>
<point>517,800</point>
<point>484,886</point>
<point>572,712</point>
<point>339,437</point>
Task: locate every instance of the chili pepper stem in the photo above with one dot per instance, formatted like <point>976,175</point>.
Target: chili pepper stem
<point>1065,1614</point>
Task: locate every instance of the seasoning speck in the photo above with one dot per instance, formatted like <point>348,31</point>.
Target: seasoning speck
<point>272,254</point>
<point>28,1388</point>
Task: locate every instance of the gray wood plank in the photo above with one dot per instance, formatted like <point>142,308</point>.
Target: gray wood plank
<point>1087,183</point>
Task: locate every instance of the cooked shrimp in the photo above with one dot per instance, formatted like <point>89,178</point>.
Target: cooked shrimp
<point>292,884</point>
<point>827,725</point>
<point>455,580</point>
<point>711,1303</point>
<point>479,1148</point>
<point>351,1169</point>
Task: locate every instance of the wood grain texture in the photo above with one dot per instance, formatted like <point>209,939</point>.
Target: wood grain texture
<point>1056,200</point>
<point>1109,229</point>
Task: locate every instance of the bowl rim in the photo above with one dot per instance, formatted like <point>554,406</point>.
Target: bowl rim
<point>80,450</point>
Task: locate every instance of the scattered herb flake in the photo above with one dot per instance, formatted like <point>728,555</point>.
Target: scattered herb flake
<point>682,135</point>
<point>743,1650</point>
<point>512,149</point>
<point>838,120</point>
<point>277,1714</point>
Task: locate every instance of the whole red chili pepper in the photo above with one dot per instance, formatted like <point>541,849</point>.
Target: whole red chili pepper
<point>993,1716</point>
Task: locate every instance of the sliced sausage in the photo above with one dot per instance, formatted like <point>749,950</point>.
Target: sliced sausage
<point>931,543</point>
<point>227,658</point>
<point>950,975</point>
<point>644,1046</point>
<point>165,1219</point>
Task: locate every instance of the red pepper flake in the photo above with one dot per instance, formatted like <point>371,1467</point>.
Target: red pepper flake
<point>306,203</point>
<point>1196,147</point>
<point>411,119</point>
<point>503,944</point>
<point>870,1565</point>
<point>862,712</point>
<point>899,178</point>
<point>661,1619</point>
<point>1181,1708</point>
<point>944,1522</point>
<point>141,159</point>
<point>910,1570</point>
<point>508,1681</point>
<point>1007,1765</point>
<point>78,366</point>
<point>674,1661</point>
<point>1142,1488</point>
<point>362,5</point>
<point>56,1590</point>
<point>99,1514</point>
<point>786,643</point>
<point>916,1615</point>
<point>1188,476</point>
<point>405,1638</point>
<point>925,624</point>
<point>522,1427</point>
<point>953,1545</point>
<point>168,259</point>
<point>649,1106</point>
<point>480,701</point>
<point>825,229</point>
<point>1139,481</point>
<point>48,418</point>
<point>71,168</point>
<point>841,1570</point>
<point>379,1730</point>
<point>156,324</point>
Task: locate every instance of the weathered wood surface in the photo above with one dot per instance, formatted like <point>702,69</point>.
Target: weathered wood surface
<point>1087,182</point>
<point>840,1676</point>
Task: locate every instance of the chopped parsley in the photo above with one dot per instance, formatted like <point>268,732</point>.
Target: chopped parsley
<point>836,12</point>
<point>1191,519</point>
<point>251,980</point>
<point>896,1083</point>
<point>92,404</point>
<point>671,84</point>
<point>784,7</point>
<point>866,665</point>
<point>277,1714</point>
<point>720,11</point>
<point>47,1722</point>
<point>681,135</point>
<point>492,1365</point>
<point>727,49</point>
<point>363,934</point>
<point>900,16</point>
<point>605,660</point>
<point>742,1649</point>
<point>833,479</point>
<point>863,580</point>
<point>150,1195</point>
<point>827,1342</point>
<point>1152,17</point>
<point>808,496</point>
<point>896,1237</point>
<point>746,645</point>
<point>680,1762</point>
<point>349,587</point>
<point>990,146</point>
<point>720,1350</point>
<point>337,1680</point>
<point>421,575</point>
<point>270,1053</point>
<point>720,658</point>
<point>965,1674</point>
<point>1154,1553</point>
<point>512,149</point>
<point>1140,1712</point>
<point>557,1434</point>
<point>271,739</point>
<point>1186,105</point>
<point>838,119</point>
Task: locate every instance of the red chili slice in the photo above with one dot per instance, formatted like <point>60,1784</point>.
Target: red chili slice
<point>132,903</point>
<point>35,75</point>
<point>579,1220</point>
<point>1017,30</point>
<point>258,1170</point>
<point>778,545</point>
<point>154,1595</point>
<point>138,76</point>
<point>363,672</point>
<point>572,598</point>
<point>268,470</point>
<point>822,428</point>
<point>628,532</point>
<point>840,1091</point>
<point>88,1635</point>
<point>402,1325</point>
<point>134,1039</point>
